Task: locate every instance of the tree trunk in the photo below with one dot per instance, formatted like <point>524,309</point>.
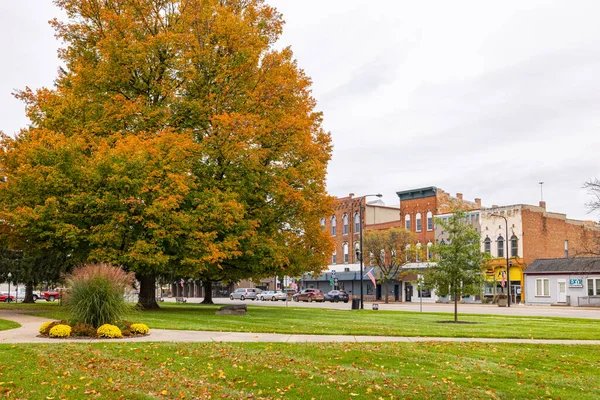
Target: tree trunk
<point>387,292</point>
<point>455,307</point>
<point>207,292</point>
<point>147,297</point>
<point>28,293</point>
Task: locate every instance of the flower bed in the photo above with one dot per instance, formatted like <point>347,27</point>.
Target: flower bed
<point>121,329</point>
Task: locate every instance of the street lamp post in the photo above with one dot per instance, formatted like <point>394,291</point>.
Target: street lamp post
<point>9,278</point>
<point>507,266</point>
<point>360,216</point>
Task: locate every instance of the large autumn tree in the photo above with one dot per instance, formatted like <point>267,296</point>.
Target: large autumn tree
<point>196,144</point>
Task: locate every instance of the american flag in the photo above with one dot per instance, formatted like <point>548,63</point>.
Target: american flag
<point>372,277</point>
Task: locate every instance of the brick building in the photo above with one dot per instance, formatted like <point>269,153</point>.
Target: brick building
<point>419,207</point>
<point>345,224</point>
<point>533,233</point>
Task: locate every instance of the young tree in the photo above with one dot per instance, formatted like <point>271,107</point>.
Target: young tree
<point>390,251</point>
<point>459,263</point>
<point>247,187</point>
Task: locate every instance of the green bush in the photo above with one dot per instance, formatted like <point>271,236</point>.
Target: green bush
<point>96,294</point>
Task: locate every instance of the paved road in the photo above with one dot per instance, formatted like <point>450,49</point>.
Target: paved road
<point>28,333</point>
<point>519,309</point>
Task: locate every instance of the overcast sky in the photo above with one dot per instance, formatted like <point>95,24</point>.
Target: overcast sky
<point>478,97</point>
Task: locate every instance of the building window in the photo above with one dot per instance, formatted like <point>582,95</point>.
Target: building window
<point>322,222</point>
<point>371,257</point>
<point>334,258</point>
<point>500,246</point>
<point>408,252</point>
<point>593,287</point>
<point>333,224</point>
<point>429,252</point>
<point>345,253</point>
<point>418,253</point>
<point>514,246</point>
<point>407,222</point>
<point>345,224</point>
<point>356,223</point>
<point>542,287</point>
<point>418,222</point>
<point>566,249</point>
<point>429,221</point>
<point>487,247</point>
<point>356,252</point>
<point>443,242</point>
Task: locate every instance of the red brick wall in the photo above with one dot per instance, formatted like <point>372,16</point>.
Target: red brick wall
<point>349,206</point>
<point>414,206</point>
<point>544,236</point>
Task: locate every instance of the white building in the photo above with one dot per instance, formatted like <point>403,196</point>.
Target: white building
<point>563,281</point>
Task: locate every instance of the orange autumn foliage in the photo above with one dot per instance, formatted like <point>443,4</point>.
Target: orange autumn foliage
<point>179,142</point>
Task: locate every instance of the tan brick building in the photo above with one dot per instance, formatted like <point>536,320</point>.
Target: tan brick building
<point>533,233</point>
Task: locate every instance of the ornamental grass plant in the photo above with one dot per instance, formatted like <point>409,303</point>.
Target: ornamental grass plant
<point>96,294</point>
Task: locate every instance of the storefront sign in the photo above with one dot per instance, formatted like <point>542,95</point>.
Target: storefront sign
<point>575,283</point>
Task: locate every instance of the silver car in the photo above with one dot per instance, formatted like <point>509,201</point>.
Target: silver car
<point>272,295</point>
<point>244,293</point>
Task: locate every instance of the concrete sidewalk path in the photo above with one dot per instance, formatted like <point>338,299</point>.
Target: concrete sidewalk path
<point>28,333</point>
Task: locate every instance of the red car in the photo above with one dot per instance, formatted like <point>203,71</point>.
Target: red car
<point>5,298</point>
<point>309,295</point>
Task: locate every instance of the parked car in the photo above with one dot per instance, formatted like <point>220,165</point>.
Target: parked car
<point>337,295</point>
<point>51,295</point>
<point>266,295</point>
<point>4,297</point>
<point>244,293</point>
<point>309,295</point>
<point>273,295</point>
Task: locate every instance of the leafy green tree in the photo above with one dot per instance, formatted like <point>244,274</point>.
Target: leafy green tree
<point>390,250</point>
<point>459,263</point>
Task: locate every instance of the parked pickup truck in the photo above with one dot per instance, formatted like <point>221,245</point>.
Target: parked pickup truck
<point>51,295</point>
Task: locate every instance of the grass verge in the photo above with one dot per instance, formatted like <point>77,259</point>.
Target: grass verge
<point>305,371</point>
<point>362,322</point>
<point>5,325</point>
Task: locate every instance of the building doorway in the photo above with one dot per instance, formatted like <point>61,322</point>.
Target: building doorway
<point>562,291</point>
<point>397,292</point>
<point>408,291</point>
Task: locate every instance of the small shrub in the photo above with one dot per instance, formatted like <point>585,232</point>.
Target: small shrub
<point>96,294</point>
<point>109,331</point>
<point>140,329</point>
<point>123,325</point>
<point>46,326</point>
<point>82,329</point>
<point>126,333</point>
<point>60,331</point>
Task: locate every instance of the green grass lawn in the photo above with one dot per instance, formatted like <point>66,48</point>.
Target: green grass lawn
<point>4,325</point>
<point>38,306</point>
<point>299,371</point>
<point>363,322</point>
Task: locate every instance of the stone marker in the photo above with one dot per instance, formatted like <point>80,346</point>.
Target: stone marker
<point>236,309</point>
